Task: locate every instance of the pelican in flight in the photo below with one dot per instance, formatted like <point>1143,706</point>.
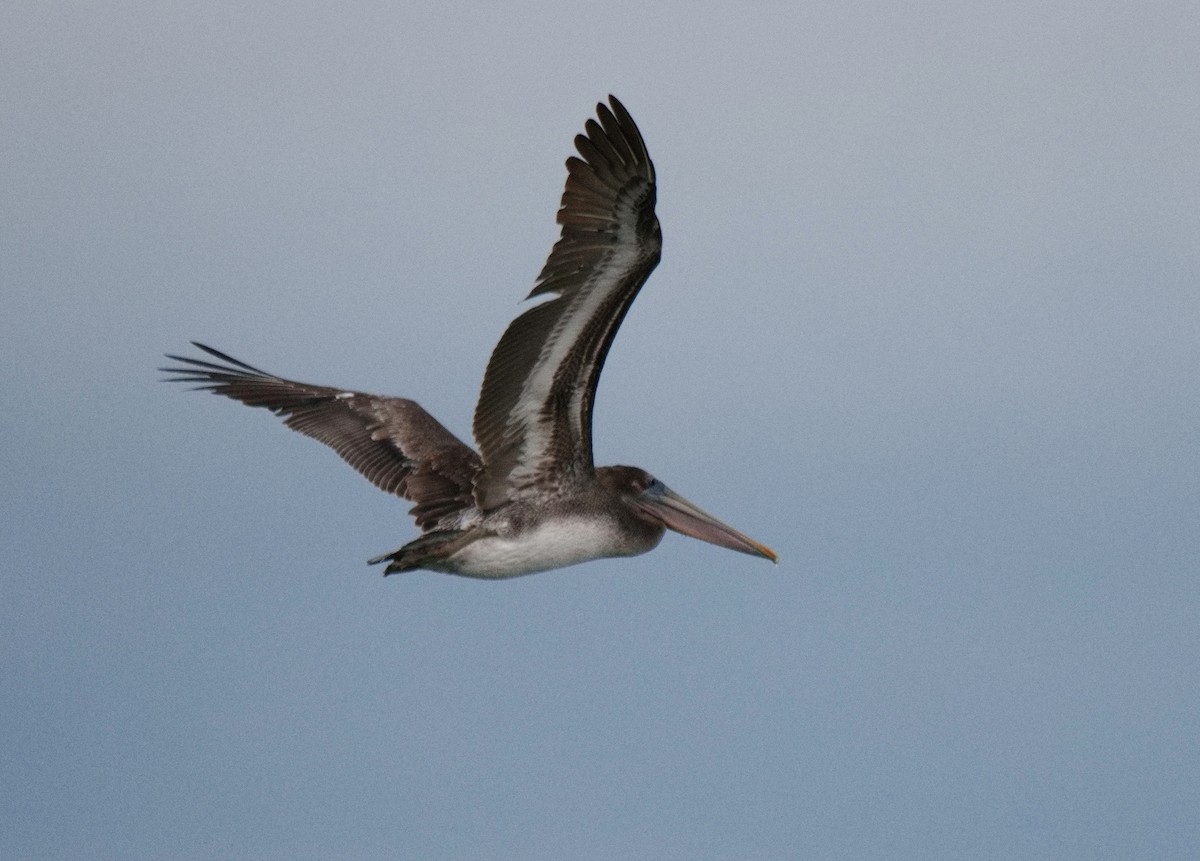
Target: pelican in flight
<point>531,498</point>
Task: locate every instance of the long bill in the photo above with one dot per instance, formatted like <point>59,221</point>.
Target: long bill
<point>677,514</point>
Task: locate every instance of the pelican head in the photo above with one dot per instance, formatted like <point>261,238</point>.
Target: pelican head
<point>654,503</point>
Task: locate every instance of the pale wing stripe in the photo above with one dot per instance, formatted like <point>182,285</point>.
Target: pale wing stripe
<point>530,416</point>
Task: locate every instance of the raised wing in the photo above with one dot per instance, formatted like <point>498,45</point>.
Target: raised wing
<point>398,446</point>
<point>533,422</point>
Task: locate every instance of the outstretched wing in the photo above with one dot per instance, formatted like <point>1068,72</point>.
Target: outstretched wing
<point>398,446</point>
<point>533,422</point>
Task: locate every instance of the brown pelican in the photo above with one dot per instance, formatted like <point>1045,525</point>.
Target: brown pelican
<point>531,499</point>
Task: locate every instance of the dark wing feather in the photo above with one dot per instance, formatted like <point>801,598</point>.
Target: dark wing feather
<point>533,422</point>
<point>398,446</point>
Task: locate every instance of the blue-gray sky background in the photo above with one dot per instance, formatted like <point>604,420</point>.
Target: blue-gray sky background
<point>927,322</point>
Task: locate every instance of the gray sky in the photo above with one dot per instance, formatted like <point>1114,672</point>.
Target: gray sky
<point>927,323</point>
